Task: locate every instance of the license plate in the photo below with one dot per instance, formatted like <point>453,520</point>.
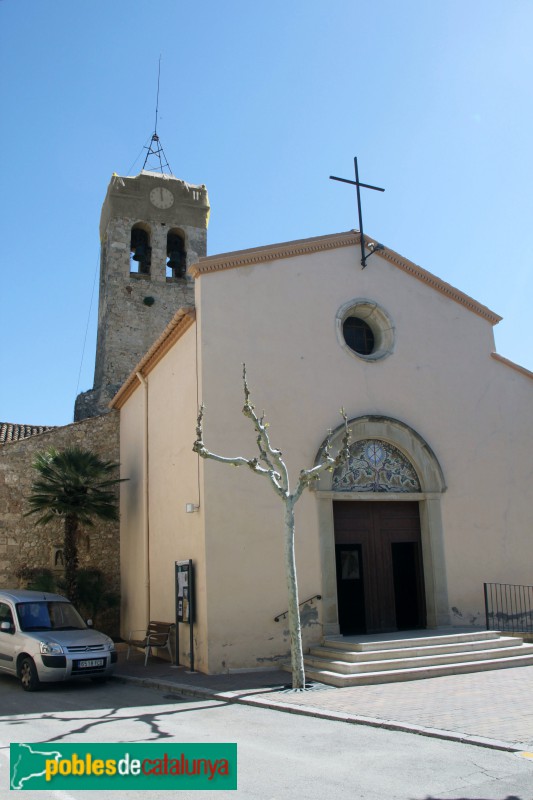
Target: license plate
<point>94,662</point>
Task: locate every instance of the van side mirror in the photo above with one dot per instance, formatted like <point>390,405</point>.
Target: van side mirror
<point>7,627</point>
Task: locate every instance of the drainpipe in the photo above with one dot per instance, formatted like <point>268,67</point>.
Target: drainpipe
<point>146,492</point>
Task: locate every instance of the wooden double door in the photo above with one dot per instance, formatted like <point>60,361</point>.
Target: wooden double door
<point>380,581</point>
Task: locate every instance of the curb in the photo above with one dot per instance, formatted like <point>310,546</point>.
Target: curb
<point>249,698</point>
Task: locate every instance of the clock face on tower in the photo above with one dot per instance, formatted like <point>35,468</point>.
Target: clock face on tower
<point>161,197</point>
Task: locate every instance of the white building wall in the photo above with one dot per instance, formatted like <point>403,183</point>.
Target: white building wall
<point>280,318</point>
<point>474,412</point>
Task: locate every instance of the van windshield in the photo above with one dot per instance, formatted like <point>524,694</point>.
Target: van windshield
<point>49,615</point>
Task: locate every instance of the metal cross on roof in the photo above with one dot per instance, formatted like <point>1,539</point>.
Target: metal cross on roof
<point>373,247</point>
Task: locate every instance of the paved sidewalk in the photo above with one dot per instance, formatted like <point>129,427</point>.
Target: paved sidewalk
<point>491,709</point>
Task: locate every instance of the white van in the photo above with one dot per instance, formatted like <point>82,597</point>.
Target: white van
<point>44,639</point>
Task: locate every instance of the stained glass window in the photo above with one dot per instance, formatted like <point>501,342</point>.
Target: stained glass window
<point>375,466</point>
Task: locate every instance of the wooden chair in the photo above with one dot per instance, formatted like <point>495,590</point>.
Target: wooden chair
<point>157,634</point>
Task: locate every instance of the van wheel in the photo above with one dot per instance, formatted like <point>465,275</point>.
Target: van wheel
<point>28,675</point>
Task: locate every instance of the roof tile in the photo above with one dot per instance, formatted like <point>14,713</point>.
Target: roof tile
<point>11,432</point>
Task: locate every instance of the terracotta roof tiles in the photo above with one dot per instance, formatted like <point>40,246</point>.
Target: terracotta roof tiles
<point>11,432</point>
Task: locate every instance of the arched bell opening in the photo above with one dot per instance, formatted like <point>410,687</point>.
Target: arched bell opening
<point>176,264</point>
<point>140,249</point>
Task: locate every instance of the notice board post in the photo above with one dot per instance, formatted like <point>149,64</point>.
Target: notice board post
<point>184,579</point>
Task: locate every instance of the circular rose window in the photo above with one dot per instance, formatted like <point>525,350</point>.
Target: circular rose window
<point>365,330</point>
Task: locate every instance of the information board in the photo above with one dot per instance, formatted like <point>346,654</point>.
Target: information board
<point>184,583</point>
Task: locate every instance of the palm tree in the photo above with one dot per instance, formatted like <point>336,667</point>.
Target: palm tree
<point>74,485</point>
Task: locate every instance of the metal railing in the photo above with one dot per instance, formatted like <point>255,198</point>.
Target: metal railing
<point>309,600</point>
<point>509,607</point>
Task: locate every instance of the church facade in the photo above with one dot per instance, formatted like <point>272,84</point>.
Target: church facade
<point>434,500</point>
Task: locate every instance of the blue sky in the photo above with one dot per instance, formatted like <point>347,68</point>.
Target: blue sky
<point>261,102</point>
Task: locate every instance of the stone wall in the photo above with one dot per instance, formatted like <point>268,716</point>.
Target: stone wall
<point>25,544</point>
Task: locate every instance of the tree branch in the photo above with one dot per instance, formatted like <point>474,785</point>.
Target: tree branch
<point>276,470</point>
<point>237,461</point>
<point>328,464</point>
<point>270,455</point>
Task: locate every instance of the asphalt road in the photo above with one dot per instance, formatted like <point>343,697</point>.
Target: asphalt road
<point>280,755</point>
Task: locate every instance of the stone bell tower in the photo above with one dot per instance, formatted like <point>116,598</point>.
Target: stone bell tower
<point>153,226</point>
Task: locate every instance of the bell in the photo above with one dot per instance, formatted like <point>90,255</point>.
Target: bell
<point>140,253</point>
<point>176,262</point>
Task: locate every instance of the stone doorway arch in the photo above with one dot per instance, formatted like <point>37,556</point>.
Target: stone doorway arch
<point>431,487</point>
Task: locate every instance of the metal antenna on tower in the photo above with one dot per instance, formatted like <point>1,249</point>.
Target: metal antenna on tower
<point>155,148</point>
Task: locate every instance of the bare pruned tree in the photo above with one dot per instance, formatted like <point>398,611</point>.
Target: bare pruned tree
<point>271,465</point>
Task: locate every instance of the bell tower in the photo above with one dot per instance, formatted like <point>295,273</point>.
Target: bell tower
<point>152,227</point>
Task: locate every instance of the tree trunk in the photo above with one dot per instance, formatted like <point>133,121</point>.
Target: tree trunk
<point>295,630</point>
<point>71,558</point>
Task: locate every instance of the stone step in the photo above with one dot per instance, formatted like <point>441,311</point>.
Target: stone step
<point>415,662</point>
<point>343,654</point>
<point>400,644</point>
<point>410,674</point>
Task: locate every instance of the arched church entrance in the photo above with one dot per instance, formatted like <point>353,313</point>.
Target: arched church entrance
<point>381,533</point>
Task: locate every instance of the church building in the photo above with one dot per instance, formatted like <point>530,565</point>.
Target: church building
<point>435,499</point>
